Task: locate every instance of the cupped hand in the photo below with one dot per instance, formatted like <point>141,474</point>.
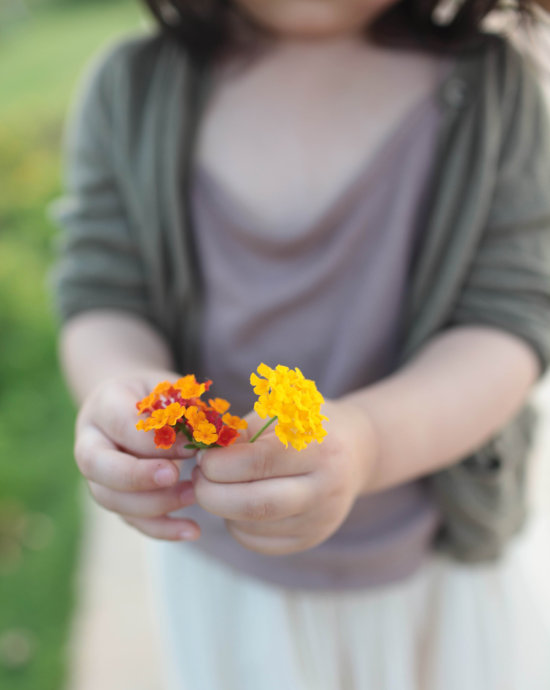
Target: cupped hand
<point>280,501</point>
<point>126,473</point>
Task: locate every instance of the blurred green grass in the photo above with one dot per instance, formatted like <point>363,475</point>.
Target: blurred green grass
<point>41,57</point>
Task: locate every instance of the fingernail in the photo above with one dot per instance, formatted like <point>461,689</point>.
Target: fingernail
<point>165,477</point>
<point>200,455</point>
<point>187,533</point>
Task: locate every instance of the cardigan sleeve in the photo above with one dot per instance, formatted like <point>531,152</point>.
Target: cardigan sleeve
<point>508,285</point>
<point>98,264</point>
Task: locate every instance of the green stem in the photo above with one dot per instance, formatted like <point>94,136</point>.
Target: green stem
<point>273,419</point>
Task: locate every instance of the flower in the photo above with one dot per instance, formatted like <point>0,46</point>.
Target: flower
<point>189,387</point>
<point>227,436</point>
<point>205,433</point>
<point>177,407</point>
<point>147,403</point>
<point>219,405</point>
<point>173,413</point>
<point>157,420</point>
<point>234,422</point>
<point>163,388</point>
<point>165,437</point>
<point>286,396</point>
<point>195,416</point>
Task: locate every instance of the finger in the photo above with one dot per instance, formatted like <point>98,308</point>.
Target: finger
<point>167,528</point>
<point>263,459</point>
<point>147,503</point>
<point>100,462</point>
<point>115,414</point>
<point>286,527</point>
<point>270,499</point>
<point>270,546</point>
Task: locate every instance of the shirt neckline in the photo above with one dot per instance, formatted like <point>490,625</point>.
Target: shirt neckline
<point>236,209</point>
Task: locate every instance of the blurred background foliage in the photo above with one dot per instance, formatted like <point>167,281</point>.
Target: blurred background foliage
<point>44,45</point>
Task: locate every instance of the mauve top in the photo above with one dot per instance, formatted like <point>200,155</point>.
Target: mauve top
<point>328,300</point>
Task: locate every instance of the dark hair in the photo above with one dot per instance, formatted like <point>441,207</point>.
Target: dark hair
<point>202,26</point>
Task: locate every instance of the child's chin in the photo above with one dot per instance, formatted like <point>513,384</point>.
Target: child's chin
<point>314,32</point>
<point>307,19</point>
<point>326,24</point>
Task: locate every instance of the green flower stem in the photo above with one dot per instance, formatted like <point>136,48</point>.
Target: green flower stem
<point>273,419</point>
<point>181,426</point>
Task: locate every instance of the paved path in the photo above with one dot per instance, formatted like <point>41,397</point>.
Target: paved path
<point>114,645</point>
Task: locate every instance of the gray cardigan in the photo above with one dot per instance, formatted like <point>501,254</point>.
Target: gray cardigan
<point>484,259</point>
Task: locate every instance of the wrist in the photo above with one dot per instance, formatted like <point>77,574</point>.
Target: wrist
<point>364,446</point>
<point>101,345</point>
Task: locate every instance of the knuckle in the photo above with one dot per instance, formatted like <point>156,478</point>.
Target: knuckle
<point>262,545</point>
<point>336,491</point>
<point>96,492</point>
<point>263,461</point>
<point>114,421</point>
<point>129,521</point>
<point>97,400</point>
<point>243,538</point>
<point>273,548</point>
<point>85,457</point>
<point>161,507</point>
<point>208,469</point>
<point>104,392</point>
<point>138,525</point>
<point>202,487</point>
<point>150,527</point>
<point>328,451</point>
<point>118,428</point>
<point>82,416</point>
<point>130,477</point>
<point>259,510</point>
<point>102,496</point>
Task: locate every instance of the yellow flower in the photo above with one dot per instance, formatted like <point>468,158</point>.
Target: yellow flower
<point>294,400</point>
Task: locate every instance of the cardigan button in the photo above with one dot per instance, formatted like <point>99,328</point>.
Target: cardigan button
<point>454,92</point>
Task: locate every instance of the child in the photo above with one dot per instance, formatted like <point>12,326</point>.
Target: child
<point>360,189</point>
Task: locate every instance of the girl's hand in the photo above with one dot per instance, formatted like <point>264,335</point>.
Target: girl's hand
<point>279,501</point>
<point>126,473</point>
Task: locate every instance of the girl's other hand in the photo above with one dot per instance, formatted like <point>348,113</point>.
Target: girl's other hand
<point>280,501</point>
<point>126,473</point>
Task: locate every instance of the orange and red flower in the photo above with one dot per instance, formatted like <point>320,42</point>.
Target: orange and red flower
<point>177,407</point>
<point>165,437</point>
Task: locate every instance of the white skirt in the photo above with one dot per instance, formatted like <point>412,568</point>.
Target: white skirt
<point>450,627</point>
